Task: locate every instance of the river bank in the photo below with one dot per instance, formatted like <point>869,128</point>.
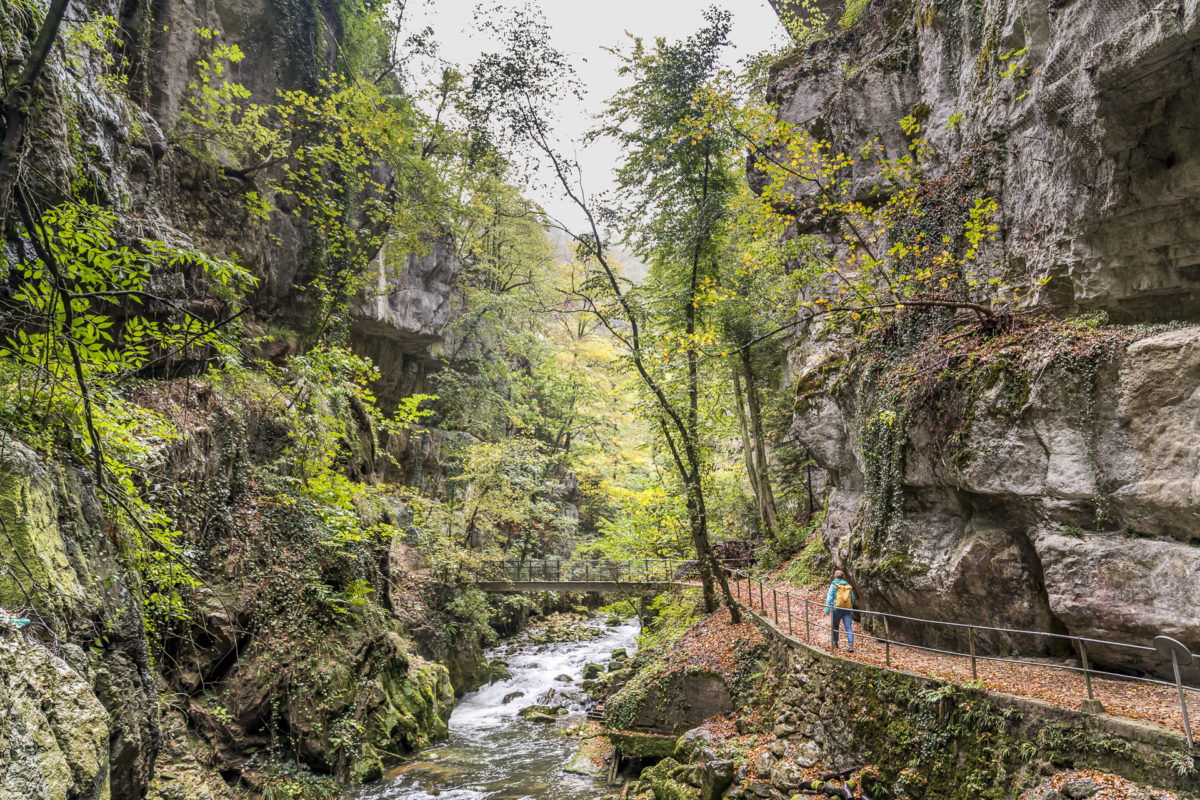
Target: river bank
<point>491,751</point>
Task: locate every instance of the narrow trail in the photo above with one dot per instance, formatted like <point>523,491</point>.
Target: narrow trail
<point>1146,702</point>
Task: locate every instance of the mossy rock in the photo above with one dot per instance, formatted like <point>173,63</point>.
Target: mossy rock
<point>35,555</point>
<point>498,671</point>
<point>414,713</point>
<point>55,729</point>
<point>643,745</point>
<point>405,705</point>
<point>667,778</point>
<point>592,671</point>
<point>538,713</point>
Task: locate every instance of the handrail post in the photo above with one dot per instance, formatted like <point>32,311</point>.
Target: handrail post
<point>762,598</point>
<point>807,627</point>
<point>775,602</point>
<point>1187,725</point>
<point>1091,705</point>
<point>1087,672</point>
<point>887,643</point>
<point>971,643</point>
<point>788,602</point>
<point>646,569</point>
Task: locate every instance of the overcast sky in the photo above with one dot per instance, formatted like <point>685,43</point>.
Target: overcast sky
<point>582,30</point>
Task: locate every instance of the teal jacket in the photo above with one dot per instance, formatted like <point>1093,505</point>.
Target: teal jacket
<point>832,595</point>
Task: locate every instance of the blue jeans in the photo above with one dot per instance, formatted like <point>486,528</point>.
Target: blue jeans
<point>842,616</point>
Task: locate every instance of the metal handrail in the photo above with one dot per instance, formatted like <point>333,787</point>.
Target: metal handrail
<point>1086,669</point>
<point>664,570</point>
<point>970,626</point>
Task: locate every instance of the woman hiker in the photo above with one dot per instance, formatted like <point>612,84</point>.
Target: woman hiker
<point>841,601</point>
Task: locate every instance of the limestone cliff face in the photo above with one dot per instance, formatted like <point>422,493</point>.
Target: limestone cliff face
<point>132,149</point>
<point>61,568</point>
<point>57,562</point>
<point>400,319</point>
<point>55,731</point>
<point>1078,116</point>
<point>1085,112</point>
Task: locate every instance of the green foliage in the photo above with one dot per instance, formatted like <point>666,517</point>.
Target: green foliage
<point>672,614</point>
<point>854,12</point>
<point>83,319</point>
<point>811,567</point>
<point>648,523</point>
<point>346,154</point>
<point>1182,764</point>
<point>804,21</point>
<point>501,500</point>
<point>290,781</point>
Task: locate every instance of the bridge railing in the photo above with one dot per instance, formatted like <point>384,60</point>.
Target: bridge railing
<point>803,618</point>
<point>603,570</point>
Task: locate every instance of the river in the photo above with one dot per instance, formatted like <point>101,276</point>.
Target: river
<point>492,753</point>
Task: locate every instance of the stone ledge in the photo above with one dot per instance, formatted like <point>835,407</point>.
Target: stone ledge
<point>1151,741</point>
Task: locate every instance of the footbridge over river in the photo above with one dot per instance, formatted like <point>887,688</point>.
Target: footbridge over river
<point>633,576</point>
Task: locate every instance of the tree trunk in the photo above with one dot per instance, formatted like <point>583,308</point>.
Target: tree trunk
<point>703,548</point>
<point>751,457</point>
<point>705,555</point>
<point>770,518</point>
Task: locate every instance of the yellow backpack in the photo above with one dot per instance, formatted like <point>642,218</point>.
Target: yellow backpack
<point>844,595</point>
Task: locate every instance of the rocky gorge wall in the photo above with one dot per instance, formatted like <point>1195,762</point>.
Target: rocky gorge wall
<point>82,695</point>
<point>95,682</point>
<point>1071,502</point>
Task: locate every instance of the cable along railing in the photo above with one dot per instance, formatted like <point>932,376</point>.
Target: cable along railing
<point>784,615</point>
<point>1165,648</point>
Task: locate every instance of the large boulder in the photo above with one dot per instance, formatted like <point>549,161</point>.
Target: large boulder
<point>670,703</point>
<point>357,703</point>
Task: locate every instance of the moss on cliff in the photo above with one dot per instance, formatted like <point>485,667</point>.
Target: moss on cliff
<point>35,569</point>
<point>54,728</point>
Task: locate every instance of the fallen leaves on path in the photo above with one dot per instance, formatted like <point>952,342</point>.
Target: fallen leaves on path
<point>1059,687</point>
